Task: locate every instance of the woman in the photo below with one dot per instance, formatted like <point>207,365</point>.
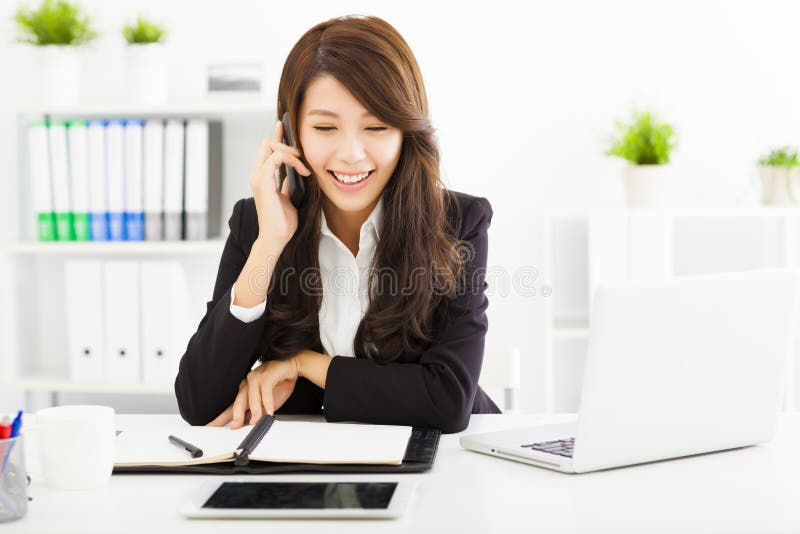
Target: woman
<point>367,303</point>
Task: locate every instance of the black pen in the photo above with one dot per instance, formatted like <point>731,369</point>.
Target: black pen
<point>195,452</point>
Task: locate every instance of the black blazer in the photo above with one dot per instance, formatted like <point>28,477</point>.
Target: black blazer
<point>438,391</point>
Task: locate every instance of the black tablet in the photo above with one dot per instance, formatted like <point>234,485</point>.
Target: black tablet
<point>250,498</point>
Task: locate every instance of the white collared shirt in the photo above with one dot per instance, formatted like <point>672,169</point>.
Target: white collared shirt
<point>345,291</point>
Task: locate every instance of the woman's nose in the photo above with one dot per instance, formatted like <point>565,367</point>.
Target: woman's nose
<point>351,150</point>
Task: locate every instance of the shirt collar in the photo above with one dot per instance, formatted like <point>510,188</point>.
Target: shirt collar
<point>375,220</point>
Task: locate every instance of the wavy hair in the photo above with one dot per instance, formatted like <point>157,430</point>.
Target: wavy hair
<point>418,248</point>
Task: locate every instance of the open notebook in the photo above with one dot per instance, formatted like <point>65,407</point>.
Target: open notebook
<point>286,441</point>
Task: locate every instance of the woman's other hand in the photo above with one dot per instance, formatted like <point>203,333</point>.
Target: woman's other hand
<point>264,390</point>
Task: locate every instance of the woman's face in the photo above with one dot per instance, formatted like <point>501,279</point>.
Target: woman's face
<point>340,137</point>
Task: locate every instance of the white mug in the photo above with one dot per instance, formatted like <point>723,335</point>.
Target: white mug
<point>76,445</point>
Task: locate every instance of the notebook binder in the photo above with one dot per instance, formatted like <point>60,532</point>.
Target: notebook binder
<point>419,457</point>
<point>251,441</point>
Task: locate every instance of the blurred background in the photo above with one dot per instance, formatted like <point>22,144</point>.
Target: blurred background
<point>527,98</point>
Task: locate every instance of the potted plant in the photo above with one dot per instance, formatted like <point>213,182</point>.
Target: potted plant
<point>778,171</point>
<point>58,29</point>
<point>146,61</point>
<point>646,144</point>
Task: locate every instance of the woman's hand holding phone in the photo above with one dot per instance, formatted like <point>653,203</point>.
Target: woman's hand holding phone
<point>277,217</point>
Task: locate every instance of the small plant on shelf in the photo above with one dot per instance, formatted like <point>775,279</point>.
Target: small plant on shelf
<point>643,140</point>
<point>143,32</point>
<point>778,170</point>
<point>646,143</point>
<point>54,22</point>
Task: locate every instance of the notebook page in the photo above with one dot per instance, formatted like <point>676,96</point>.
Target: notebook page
<point>333,443</point>
<point>151,446</point>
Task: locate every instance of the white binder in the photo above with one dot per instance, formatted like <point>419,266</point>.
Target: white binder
<point>173,180</point>
<point>197,152</point>
<point>115,179</point>
<point>166,325</point>
<point>79,175</point>
<point>39,165</point>
<point>61,188</point>
<point>134,189</point>
<point>154,180</point>
<point>83,283</point>
<point>121,307</point>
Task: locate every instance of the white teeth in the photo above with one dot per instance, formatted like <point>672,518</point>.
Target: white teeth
<point>350,179</point>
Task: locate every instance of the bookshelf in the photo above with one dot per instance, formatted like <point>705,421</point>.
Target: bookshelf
<point>210,107</point>
<point>33,333</point>
<point>586,248</point>
<point>113,248</point>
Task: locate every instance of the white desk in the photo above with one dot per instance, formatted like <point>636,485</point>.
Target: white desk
<point>755,489</point>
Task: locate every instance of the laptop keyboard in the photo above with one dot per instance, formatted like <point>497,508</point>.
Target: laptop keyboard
<point>561,447</point>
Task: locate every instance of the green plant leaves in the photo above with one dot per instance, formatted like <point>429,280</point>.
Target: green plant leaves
<point>643,140</point>
<point>55,22</point>
<point>784,156</point>
<point>143,32</point>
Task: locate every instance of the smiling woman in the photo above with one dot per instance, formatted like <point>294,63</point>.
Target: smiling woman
<point>367,303</point>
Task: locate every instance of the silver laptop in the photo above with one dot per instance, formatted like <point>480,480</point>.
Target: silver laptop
<point>692,365</point>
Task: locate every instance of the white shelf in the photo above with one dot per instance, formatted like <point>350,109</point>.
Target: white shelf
<point>589,247</point>
<point>32,271</point>
<point>114,247</point>
<point>61,384</point>
<point>211,106</point>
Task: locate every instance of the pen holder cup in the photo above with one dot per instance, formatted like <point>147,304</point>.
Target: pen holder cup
<point>13,479</point>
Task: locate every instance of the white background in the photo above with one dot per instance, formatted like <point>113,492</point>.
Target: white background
<point>523,95</point>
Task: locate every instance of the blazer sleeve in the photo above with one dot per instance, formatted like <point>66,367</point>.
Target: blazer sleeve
<point>223,349</point>
<point>438,391</point>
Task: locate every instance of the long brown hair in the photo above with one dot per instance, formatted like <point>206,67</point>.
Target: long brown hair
<point>418,249</point>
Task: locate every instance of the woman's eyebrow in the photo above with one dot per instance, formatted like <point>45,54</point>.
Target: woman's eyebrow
<point>328,113</point>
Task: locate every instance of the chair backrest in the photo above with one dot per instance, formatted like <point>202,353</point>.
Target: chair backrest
<point>501,371</point>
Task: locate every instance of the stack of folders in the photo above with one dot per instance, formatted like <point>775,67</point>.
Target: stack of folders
<point>126,180</point>
<point>127,321</point>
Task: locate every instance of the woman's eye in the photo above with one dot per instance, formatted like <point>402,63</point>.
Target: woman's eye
<point>329,128</point>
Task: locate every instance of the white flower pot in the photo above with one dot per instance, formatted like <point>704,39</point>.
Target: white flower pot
<point>147,74</point>
<point>779,185</point>
<point>59,80</point>
<point>647,186</point>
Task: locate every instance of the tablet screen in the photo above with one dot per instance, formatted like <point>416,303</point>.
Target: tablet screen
<point>302,495</point>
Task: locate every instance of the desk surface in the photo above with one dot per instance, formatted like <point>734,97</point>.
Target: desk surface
<point>754,489</point>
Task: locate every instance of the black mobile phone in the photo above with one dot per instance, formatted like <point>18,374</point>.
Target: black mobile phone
<point>297,187</point>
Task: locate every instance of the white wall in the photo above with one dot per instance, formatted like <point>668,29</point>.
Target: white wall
<point>523,95</point>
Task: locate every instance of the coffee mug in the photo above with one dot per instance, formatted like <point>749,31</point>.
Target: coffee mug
<point>76,445</point>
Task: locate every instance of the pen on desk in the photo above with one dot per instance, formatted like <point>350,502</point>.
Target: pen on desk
<point>195,452</point>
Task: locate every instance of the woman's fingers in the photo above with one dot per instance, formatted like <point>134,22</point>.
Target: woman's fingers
<point>265,176</point>
<point>267,145</point>
<point>254,399</point>
<point>224,418</point>
<point>280,157</point>
<point>239,407</point>
<point>267,398</point>
<point>275,144</point>
<point>277,132</point>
